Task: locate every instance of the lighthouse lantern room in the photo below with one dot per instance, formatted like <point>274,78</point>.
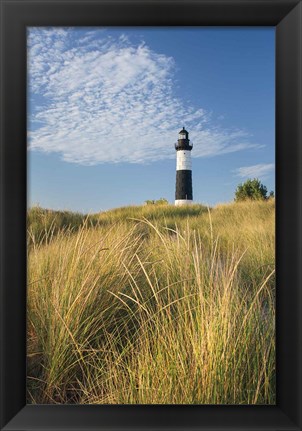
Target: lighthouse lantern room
<point>183,192</point>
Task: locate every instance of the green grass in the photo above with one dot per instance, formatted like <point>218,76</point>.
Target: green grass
<point>152,304</point>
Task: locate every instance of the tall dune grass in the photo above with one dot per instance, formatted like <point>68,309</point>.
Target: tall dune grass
<point>154,305</point>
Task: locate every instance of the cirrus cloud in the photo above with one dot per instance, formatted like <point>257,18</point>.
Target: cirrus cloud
<point>96,99</point>
<point>255,171</point>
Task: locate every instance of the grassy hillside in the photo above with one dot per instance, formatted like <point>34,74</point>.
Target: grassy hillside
<point>152,304</point>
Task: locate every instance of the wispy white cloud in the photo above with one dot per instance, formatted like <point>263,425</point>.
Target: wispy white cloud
<point>97,99</point>
<point>256,171</point>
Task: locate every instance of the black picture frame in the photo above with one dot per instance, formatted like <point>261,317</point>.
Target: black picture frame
<point>16,15</point>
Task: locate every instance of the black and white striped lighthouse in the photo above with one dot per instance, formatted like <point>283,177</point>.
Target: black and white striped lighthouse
<point>183,192</point>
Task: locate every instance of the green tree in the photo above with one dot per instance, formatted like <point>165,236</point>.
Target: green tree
<point>251,189</point>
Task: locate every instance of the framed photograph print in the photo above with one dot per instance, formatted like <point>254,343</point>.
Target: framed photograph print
<point>151,214</point>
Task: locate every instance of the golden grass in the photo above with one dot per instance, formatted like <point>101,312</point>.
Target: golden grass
<point>154,305</point>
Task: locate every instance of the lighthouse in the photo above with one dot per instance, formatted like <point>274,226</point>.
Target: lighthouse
<point>183,192</point>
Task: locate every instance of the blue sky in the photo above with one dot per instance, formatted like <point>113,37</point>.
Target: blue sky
<point>105,106</point>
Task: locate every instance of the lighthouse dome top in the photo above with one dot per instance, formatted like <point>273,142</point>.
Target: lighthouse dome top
<point>183,142</point>
<point>183,134</point>
<point>183,131</point>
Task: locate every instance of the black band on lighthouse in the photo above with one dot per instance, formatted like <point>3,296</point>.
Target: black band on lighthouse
<point>184,185</point>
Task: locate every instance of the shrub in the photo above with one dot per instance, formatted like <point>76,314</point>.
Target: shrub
<point>251,189</point>
<point>161,201</point>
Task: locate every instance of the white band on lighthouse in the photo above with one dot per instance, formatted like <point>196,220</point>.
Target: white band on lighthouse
<point>180,202</point>
<point>183,160</point>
